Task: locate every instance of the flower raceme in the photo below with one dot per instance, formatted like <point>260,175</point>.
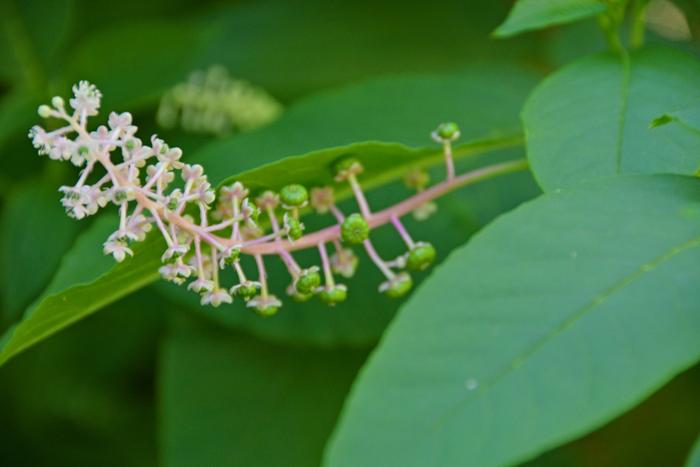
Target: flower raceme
<point>206,231</point>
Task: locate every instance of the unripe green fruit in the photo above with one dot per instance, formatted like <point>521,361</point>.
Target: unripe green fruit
<point>294,195</point>
<point>399,286</point>
<point>295,229</point>
<point>247,292</point>
<point>421,257</point>
<point>333,295</point>
<point>300,297</point>
<point>308,282</point>
<point>448,131</point>
<point>233,256</point>
<point>267,310</point>
<point>354,229</point>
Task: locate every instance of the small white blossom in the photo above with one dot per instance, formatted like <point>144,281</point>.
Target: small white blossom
<point>137,227</point>
<point>175,251</point>
<point>86,98</point>
<point>176,272</point>
<point>216,297</point>
<point>201,285</point>
<point>260,302</point>
<point>118,249</point>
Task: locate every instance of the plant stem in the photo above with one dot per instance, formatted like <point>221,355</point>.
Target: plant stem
<point>400,209</point>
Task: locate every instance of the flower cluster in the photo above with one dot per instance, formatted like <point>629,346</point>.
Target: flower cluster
<point>206,231</point>
<point>212,102</point>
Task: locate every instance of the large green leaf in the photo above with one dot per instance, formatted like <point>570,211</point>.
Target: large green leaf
<point>28,257</point>
<point>537,331</point>
<point>535,14</point>
<point>591,119</point>
<point>224,398</point>
<point>488,117</point>
<point>85,282</point>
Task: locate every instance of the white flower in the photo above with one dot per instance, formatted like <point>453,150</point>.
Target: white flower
<point>237,190</point>
<point>205,194</point>
<point>175,251</point>
<point>122,122</point>
<point>201,285</point>
<point>137,226</point>
<point>344,262</point>
<point>260,302</point>
<point>176,272</point>
<point>41,140</point>
<point>193,172</point>
<point>118,249</point>
<point>86,98</point>
<point>171,156</point>
<point>216,298</point>
<point>424,211</point>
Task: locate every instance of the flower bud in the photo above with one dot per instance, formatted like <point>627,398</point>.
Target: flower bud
<point>334,294</point>
<point>354,229</point>
<point>346,167</point>
<point>294,196</point>
<point>420,257</point>
<point>44,111</point>
<point>446,132</point>
<point>397,286</point>
<point>308,281</point>
<point>416,179</point>
<point>57,102</point>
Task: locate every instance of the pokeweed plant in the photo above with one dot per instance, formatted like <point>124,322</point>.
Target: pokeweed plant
<point>205,233</point>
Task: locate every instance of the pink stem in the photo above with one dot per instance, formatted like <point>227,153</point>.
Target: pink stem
<point>359,197</point>
<point>402,231</point>
<point>449,160</point>
<point>400,209</point>
<point>374,256</point>
<point>326,265</point>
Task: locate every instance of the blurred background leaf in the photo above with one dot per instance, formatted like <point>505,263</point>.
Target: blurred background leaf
<point>230,400</point>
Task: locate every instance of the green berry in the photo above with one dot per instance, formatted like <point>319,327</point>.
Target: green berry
<point>233,255</point>
<point>247,291</point>
<point>399,285</point>
<point>333,295</point>
<point>308,281</point>
<point>294,195</point>
<point>267,310</point>
<point>420,257</point>
<point>295,229</point>
<point>354,229</point>
<point>300,297</point>
<point>448,131</point>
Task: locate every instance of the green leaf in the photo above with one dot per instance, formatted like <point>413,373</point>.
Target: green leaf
<point>29,257</point>
<point>484,100</point>
<point>591,119</point>
<point>527,15</point>
<point>224,398</point>
<point>484,103</point>
<point>536,331</point>
<point>134,63</point>
<point>694,456</point>
<point>85,281</point>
